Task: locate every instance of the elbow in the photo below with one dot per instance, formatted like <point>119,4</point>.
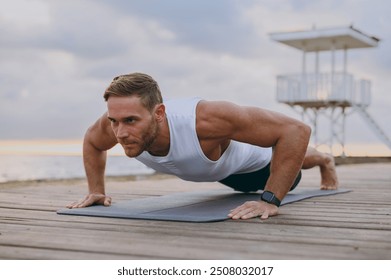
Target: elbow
<point>299,132</point>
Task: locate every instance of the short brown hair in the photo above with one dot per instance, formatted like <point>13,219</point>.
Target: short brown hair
<point>142,85</point>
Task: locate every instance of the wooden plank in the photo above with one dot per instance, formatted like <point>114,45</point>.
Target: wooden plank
<point>193,229</point>
<point>355,225</point>
<point>169,244</point>
<point>31,253</point>
<point>341,236</point>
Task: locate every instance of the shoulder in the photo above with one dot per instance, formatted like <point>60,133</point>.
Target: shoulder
<point>225,120</point>
<point>221,109</point>
<point>101,135</point>
<point>218,118</point>
<point>226,111</point>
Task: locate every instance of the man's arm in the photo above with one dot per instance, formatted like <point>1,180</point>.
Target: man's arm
<point>289,137</point>
<point>98,139</point>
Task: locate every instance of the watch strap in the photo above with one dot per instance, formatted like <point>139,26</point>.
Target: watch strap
<point>269,197</point>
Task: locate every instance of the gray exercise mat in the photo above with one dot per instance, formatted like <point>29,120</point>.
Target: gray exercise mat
<point>199,206</point>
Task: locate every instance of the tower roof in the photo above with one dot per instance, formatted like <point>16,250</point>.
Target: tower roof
<point>326,39</point>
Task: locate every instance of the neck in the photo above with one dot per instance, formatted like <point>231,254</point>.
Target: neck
<point>161,145</point>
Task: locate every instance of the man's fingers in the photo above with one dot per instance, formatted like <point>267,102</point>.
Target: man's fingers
<point>249,215</point>
<point>245,211</point>
<point>265,215</point>
<point>253,209</point>
<point>237,212</point>
<point>240,214</point>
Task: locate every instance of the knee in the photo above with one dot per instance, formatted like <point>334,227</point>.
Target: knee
<point>297,181</point>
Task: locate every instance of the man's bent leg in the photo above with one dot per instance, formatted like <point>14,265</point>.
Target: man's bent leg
<point>329,179</point>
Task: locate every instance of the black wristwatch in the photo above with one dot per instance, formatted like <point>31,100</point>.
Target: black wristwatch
<point>269,197</point>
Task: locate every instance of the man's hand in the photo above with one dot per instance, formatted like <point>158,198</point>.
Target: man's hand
<point>252,209</point>
<point>92,199</point>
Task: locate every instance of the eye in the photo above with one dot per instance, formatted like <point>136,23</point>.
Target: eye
<point>113,121</point>
<point>129,120</point>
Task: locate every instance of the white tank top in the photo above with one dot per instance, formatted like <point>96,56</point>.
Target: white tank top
<point>186,159</point>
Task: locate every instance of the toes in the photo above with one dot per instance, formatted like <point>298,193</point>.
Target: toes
<point>331,187</point>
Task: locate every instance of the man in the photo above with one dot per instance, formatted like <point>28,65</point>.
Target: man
<point>245,148</point>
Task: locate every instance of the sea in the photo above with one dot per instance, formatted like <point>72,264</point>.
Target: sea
<point>22,160</point>
<point>45,167</point>
<point>19,164</point>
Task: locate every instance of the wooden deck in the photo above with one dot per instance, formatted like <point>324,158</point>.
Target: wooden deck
<point>356,225</point>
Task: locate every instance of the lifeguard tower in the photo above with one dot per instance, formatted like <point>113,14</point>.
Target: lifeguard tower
<point>332,95</point>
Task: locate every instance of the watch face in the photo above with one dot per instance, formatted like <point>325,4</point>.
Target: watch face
<point>267,196</point>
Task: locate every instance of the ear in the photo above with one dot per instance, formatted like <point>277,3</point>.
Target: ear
<point>160,112</point>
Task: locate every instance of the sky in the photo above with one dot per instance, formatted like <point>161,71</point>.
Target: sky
<point>57,57</point>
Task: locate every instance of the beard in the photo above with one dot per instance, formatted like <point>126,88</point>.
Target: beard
<point>148,137</point>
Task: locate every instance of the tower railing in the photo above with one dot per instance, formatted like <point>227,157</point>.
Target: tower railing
<point>323,88</point>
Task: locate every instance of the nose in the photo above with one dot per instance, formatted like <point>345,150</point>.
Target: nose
<point>122,132</point>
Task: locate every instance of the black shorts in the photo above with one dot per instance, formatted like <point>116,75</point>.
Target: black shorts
<point>254,181</point>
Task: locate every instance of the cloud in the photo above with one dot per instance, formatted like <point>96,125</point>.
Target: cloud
<point>215,26</point>
<point>57,57</point>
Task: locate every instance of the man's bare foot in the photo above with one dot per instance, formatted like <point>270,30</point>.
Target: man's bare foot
<point>328,173</point>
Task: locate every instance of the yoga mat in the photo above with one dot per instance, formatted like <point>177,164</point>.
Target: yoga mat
<point>199,206</point>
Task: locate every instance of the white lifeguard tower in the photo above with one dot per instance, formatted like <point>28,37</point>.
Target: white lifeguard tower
<point>333,94</point>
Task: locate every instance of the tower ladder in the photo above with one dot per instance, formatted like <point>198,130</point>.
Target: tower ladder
<point>373,125</point>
